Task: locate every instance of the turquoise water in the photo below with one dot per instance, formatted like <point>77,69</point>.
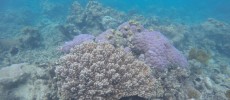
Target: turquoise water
<point>187,10</point>
<point>35,34</point>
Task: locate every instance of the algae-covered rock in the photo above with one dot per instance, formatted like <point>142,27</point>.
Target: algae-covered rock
<point>24,82</point>
<point>227,94</point>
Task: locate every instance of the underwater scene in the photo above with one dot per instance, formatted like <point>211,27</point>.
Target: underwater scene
<point>114,50</point>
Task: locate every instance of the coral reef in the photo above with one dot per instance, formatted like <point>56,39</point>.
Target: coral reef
<point>210,82</point>
<point>33,44</point>
<point>121,36</point>
<point>218,31</point>
<point>211,35</point>
<point>227,94</point>
<point>158,51</point>
<point>25,82</point>
<point>31,38</point>
<point>109,22</point>
<point>175,32</point>
<point>171,83</point>
<point>99,71</point>
<point>199,55</point>
<point>92,18</point>
<point>124,37</point>
<point>53,10</point>
<point>76,41</point>
<point>27,37</point>
<point>193,93</point>
<point>115,37</point>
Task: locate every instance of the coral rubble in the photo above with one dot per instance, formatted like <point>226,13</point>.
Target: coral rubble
<point>25,82</point>
<point>199,55</point>
<point>92,18</point>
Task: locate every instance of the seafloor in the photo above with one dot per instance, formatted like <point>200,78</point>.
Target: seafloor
<point>99,53</point>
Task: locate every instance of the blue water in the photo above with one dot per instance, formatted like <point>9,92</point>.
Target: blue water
<point>187,10</point>
<point>184,10</point>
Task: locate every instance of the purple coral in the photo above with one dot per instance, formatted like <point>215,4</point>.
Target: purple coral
<point>104,37</point>
<point>76,41</point>
<point>128,28</point>
<point>158,50</point>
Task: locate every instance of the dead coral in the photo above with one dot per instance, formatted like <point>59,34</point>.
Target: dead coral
<point>199,55</point>
<point>30,38</point>
<point>94,17</point>
<point>227,94</point>
<point>193,93</point>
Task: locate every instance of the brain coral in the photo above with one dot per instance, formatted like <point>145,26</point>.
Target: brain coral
<point>158,50</point>
<point>99,71</point>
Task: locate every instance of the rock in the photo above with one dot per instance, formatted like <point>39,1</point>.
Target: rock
<point>12,74</point>
<point>208,83</point>
<point>24,82</point>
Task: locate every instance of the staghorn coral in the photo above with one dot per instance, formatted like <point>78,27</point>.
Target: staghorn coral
<point>99,71</point>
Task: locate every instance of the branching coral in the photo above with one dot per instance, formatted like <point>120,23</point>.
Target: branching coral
<point>99,71</point>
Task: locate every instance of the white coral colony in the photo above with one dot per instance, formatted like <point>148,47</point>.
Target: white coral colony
<point>99,71</point>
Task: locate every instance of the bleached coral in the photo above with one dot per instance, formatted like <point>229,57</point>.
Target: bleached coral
<point>99,71</point>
